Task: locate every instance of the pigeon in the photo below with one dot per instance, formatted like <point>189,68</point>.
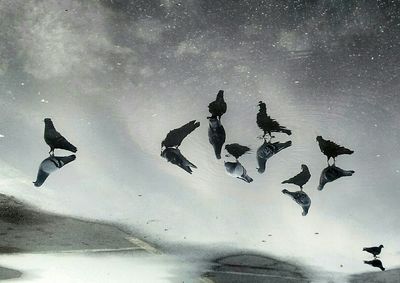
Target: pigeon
<point>374,250</point>
<point>300,179</point>
<point>175,137</point>
<point>301,198</point>
<point>236,149</point>
<point>218,107</point>
<point>175,156</point>
<point>375,263</point>
<point>267,124</point>
<point>331,173</point>
<point>331,149</point>
<point>235,169</point>
<point>216,135</point>
<point>267,150</point>
<point>49,165</point>
<point>54,139</point>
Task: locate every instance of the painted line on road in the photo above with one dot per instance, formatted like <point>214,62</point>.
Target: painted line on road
<point>88,251</point>
<point>145,246</point>
<point>206,280</point>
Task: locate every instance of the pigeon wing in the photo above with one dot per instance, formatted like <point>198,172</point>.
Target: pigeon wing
<point>236,149</point>
<point>176,136</point>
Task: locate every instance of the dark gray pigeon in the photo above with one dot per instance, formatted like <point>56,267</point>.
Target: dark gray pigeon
<point>375,263</point>
<point>301,198</point>
<point>218,107</point>
<point>236,149</point>
<point>49,165</point>
<point>300,179</point>
<point>374,250</point>
<point>331,149</point>
<point>267,124</point>
<point>332,173</point>
<point>175,137</point>
<point>235,169</point>
<point>175,156</point>
<point>54,139</point>
<point>216,135</point>
<point>267,150</point>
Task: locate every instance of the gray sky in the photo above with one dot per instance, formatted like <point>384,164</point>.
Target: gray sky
<point>116,76</point>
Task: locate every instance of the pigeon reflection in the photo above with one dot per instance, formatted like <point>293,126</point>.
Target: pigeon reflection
<point>54,139</point>
<point>49,165</point>
<point>267,150</point>
<point>301,198</point>
<point>331,149</point>
<point>267,124</point>
<point>216,135</point>
<point>375,263</point>
<point>236,169</point>
<point>173,140</point>
<point>332,173</point>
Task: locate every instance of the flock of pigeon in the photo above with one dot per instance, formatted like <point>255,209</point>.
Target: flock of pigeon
<point>216,135</point>
<point>269,126</point>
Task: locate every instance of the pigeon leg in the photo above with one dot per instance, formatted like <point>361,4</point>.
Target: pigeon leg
<point>51,152</point>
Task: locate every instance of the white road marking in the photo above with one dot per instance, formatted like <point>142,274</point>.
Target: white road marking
<point>258,275</point>
<point>142,244</point>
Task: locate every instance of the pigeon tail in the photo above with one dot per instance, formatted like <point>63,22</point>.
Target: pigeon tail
<point>62,143</point>
<point>247,178</point>
<point>286,131</point>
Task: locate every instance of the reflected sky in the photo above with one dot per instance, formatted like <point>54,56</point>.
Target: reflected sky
<point>116,76</point>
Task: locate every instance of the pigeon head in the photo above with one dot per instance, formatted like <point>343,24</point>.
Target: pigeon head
<point>319,138</point>
<point>304,167</point>
<point>262,105</point>
<point>47,120</point>
<point>220,94</point>
<point>381,246</point>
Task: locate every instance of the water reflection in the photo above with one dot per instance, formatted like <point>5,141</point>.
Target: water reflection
<point>267,150</point>
<point>375,263</point>
<point>236,169</point>
<point>301,198</point>
<point>50,165</point>
<point>216,135</point>
<point>169,146</point>
<point>332,173</point>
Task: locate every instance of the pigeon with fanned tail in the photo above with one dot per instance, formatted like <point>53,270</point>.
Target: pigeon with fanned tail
<point>300,179</point>
<point>54,139</point>
<point>236,150</point>
<point>332,173</point>
<point>218,107</point>
<point>267,124</point>
<point>375,263</point>
<point>175,156</point>
<point>375,251</point>
<point>49,165</point>
<point>175,137</point>
<point>173,140</point>
<point>235,169</point>
<point>301,198</point>
<point>331,149</point>
<point>267,150</point>
<point>216,135</point>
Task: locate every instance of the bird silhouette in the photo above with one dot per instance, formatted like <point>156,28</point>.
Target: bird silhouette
<point>175,137</point>
<point>300,179</point>
<point>216,135</point>
<point>49,165</point>
<point>175,156</point>
<point>331,149</point>
<point>267,150</point>
<point>267,124</point>
<point>236,149</point>
<point>375,251</point>
<point>236,169</point>
<point>301,198</point>
<point>218,107</point>
<point>54,139</point>
<point>332,173</point>
<point>173,140</point>
<point>375,263</point>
